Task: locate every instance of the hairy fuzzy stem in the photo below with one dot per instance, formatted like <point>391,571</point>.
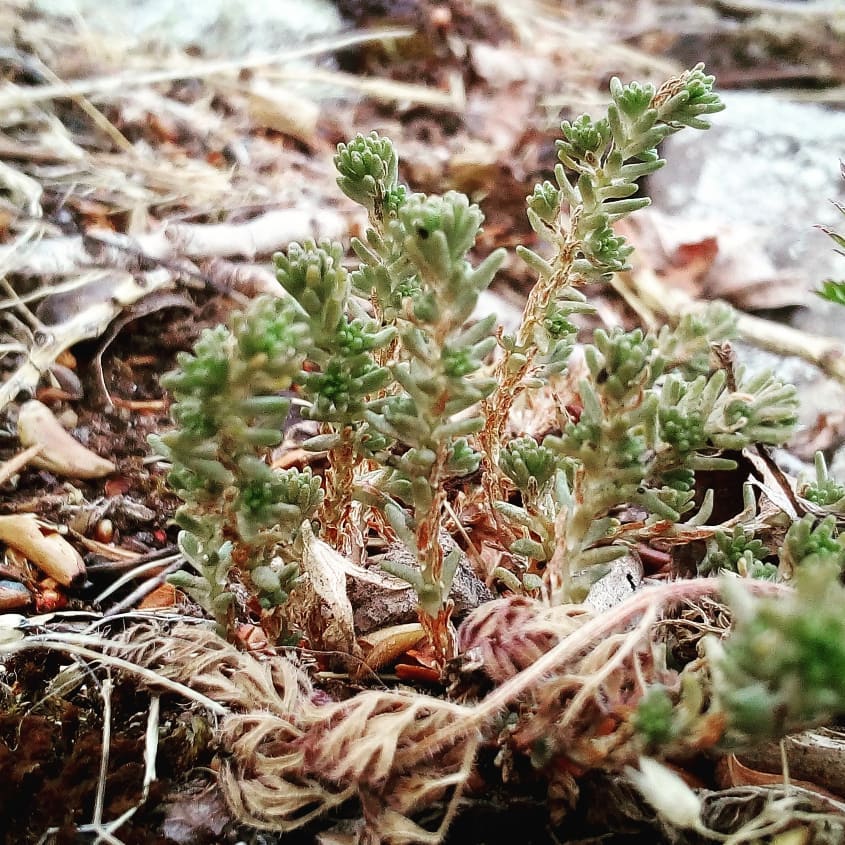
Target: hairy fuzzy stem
<point>434,613</point>
<point>335,514</point>
<point>647,601</point>
<point>62,645</point>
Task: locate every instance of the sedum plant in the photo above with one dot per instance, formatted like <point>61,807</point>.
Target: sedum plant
<point>780,667</point>
<point>341,374</point>
<point>394,392</point>
<point>651,411</point>
<point>240,517</point>
<point>639,438</point>
<point>824,490</point>
<point>596,180</point>
<point>783,667</point>
<point>809,541</point>
<point>738,552</point>
<point>416,271</point>
<point>388,359</point>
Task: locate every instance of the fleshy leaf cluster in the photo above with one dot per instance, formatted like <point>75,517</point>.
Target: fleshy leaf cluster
<point>783,667</point>
<point>824,490</point>
<point>653,409</point>
<point>738,552</point>
<point>368,170</point>
<point>439,370</point>
<point>641,435</point>
<point>240,516</point>
<point>809,541</point>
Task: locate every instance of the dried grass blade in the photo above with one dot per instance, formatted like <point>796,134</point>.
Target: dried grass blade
<point>99,86</point>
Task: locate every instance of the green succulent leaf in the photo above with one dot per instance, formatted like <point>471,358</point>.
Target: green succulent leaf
<point>783,667</point>
<point>368,169</point>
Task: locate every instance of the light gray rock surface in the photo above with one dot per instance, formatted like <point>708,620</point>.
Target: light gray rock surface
<point>218,27</point>
<point>772,164</point>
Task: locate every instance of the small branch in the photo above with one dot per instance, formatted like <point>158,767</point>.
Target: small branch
<point>261,235</point>
<point>17,462</point>
<point>783,7</point>
<point>145,588</point>
<point>90,322</point>
<point>104,753</point>
<point>826,353</point>
<point>110,85</point>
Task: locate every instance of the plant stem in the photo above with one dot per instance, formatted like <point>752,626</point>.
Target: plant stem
<point>497,407</point>
<point>434,613</point>
<point>336,511</point>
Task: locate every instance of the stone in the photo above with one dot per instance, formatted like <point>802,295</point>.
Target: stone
<point>219,27</point>
<point>773,165</point>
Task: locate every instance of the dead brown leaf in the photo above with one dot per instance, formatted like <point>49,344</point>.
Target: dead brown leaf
<point>712,260</point>
<point>387,645</point>
<point>319,605</point>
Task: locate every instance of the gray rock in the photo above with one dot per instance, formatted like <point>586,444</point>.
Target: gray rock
<point>772,164</point>
<point>219,27</point>
<point>624,578</point>
<point>382,600</point>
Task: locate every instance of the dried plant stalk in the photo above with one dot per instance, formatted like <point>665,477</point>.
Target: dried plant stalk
<point>293,759</point>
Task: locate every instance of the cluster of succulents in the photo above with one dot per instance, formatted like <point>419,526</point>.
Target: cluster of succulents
<point>783,666</point>
<point>412,390</point>
<point>415,268</point>
<point>241,517</point>
<point>654,408</point>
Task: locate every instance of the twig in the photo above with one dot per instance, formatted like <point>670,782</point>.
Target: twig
<point>136,572</point>
<point>91,322</point>
<point>18,462</point>
<point>70,648</point>
<point>42,292</point>
<point>151,746</point>
<point>801,9</point>
<point>144,589</point>
<point>261,235</point>
<point>124,564</point>
<point>826,353</point>
<point>97,117</point>
<point>29,318</point>
<point>105,691</point>
<point>99,86</point>
<point>378,88</point>
<point>150,752</point>
<point>104,836</point>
